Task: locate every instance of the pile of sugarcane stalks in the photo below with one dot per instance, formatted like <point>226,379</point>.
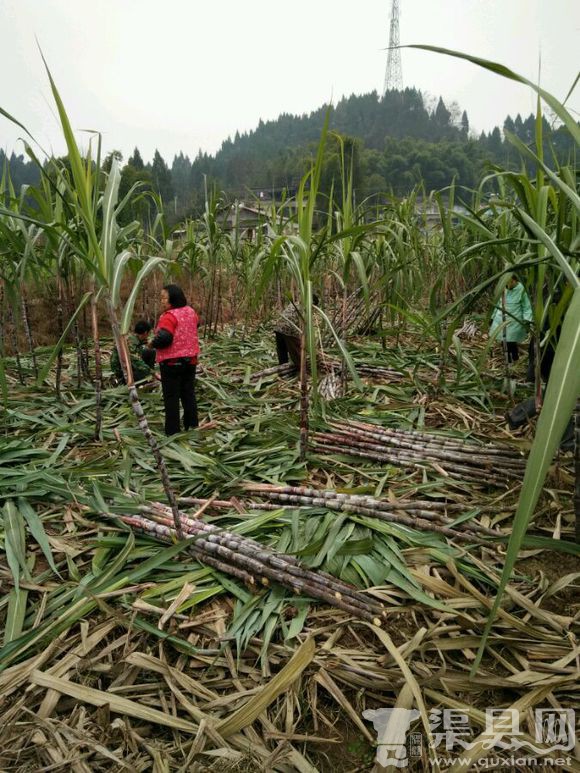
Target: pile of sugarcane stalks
<point>250,562</point>
<point>493,465</point>
<point>428,516</point>
<point>287,369</point>
<point>355,314</point>
<point>379,372</point>
<point>326,365</point>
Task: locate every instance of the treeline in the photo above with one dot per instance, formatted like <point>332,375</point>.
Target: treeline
<point>395,142</point>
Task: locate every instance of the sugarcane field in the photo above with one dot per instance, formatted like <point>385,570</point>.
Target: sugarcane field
<point>294,485</point>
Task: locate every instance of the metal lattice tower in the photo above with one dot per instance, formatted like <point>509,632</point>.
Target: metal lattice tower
<point>394,72</point>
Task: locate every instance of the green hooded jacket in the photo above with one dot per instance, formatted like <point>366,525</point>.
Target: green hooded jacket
<point>518,314</point>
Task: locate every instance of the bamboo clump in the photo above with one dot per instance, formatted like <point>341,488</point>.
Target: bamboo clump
<point>251,562</point>
<point>484,464</point>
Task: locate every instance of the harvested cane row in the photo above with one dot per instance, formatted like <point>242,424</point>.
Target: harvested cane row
<point>426,516</point>
<point>488,465</point>
<point>328,365</point>
<point>248,560</point>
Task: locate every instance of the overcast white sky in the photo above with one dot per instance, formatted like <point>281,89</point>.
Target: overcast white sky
<point>185,74</point>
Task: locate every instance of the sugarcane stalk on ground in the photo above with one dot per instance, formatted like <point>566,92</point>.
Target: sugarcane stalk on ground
<point>435,440</point>
<point>309,497</point>
<point>340,445</point>
<point>373,440</point>
<point>301,580</point>
<point>256,550</point>
<point>413,522</point>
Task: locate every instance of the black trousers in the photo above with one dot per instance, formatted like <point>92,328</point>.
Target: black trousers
<point>288,347</point>
<point>178,386</point>
<point>513,351</point>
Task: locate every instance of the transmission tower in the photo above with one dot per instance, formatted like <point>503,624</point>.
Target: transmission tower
<point>394,73</point>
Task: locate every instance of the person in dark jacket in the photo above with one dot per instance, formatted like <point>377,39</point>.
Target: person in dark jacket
<point>142,358</point>
<point>177,348</point>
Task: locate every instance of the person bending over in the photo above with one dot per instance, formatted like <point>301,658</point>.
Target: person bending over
<point>142,358</point>
<point>288,329</point>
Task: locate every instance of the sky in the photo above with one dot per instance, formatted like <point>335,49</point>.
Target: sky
<point>186,74</point>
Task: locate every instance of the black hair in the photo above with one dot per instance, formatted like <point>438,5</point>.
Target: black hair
<point>175,296</point>
<point>142,327</point>
<point>315,299</point>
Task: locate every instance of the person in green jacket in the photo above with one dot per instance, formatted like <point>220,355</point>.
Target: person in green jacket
<point>514,312</point>
<point>142,358</point>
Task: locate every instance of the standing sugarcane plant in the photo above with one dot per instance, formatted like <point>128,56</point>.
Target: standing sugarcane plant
<point>299,253</point>
<point>556,244</point>
<point>95,240</point>
<point>577,470</point>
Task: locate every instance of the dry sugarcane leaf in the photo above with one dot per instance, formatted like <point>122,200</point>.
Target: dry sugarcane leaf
<point>117,704</point>
<point>68,662</point>
<point>479,717</point>
<point>186,682</point>
<point>256,705</point>
<point>483,744</point>
<point>182,596</point>
<point>324,679</point>
<point>404,701</point>
<point>411,681</point>
<point>14,676</point>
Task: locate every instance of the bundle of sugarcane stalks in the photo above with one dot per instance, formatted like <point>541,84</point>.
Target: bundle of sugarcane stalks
<point>326,365</point>
<point>286,369</point>
<point>253,563</point>
<point>428,515</point>
<point>355,314</point>
<point>489,464</point>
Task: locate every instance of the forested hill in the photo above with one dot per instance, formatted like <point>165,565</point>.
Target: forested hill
<point>396,141</point>
<point>399,141</point>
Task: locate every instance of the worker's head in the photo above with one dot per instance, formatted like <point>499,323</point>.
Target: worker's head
<point>142,329</point>
<point>512,281</point>
<point>172,297</point>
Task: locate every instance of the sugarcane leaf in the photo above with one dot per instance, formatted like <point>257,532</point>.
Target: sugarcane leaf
<point>505,72</point>
<point>150,265</point>
<point>548,242</point>
<point>118,272</point>
<point>298,621</point>
<point>37,531</point>
<point>15,543</point>
<point>15,615</point>
<point>116,704</point>
<point>277,685</point>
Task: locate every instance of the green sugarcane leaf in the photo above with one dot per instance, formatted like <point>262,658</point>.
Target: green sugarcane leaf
<point>118,272</point>
<point>548,242</point>
<point>37,531</point>
<point>16,612</point>
<point>15,543</point>
<point>505,72</point>
<point>148,267</point>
